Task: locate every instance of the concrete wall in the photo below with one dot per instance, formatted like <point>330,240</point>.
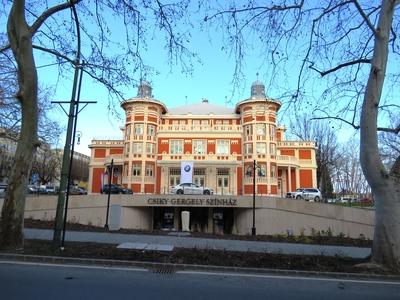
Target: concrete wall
<point>273,215</point>
<point>276,216</point>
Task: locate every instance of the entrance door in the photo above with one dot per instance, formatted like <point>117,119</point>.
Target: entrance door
<point>174,180</point>
<point>199,180</point>
<point>223,184</point>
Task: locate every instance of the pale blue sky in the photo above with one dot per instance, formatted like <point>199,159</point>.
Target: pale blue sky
<point>211,79</point>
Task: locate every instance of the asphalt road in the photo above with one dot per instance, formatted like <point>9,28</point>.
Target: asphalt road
<point>41,281</point>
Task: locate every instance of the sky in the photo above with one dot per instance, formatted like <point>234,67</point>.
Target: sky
<point>211,78</point>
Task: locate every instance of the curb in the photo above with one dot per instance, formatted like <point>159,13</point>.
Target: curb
<point>172,268</point>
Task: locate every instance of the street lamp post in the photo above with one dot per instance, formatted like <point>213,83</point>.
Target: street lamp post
<point>253,229</point>
<point>110,174</point>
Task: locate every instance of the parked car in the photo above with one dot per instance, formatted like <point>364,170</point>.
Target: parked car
<point>51,189</point>
<point>32,189</point>
<point>76,190</point>
<point>115,189</point>
<point>366,201</point>
<point>296,194</point>
<point>3,188</point>
<point>191,189</point>
<point>346,200</point>
<point>311,195</point>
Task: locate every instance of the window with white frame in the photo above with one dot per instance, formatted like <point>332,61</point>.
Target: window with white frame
<point>260,129</point>
<point>223,147</point>
<point>176,147</point>
<point>248,129</point>
<point>273,171</point>
<point>272,131</point>
<point>137,148</point>
<point>149,170</point>
<point>138,129</point>
<point>199,146</point>
<point>128,132</point>
<point>248,148</point>
<point>150,148</point>
<point>272,149</point>
<point>151,130</point>
<point>262,170</point>
<point>127,149</point>
<point>136,169</point>
<point>261,148</point>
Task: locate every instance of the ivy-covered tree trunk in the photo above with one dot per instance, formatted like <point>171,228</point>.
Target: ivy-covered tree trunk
<point>12,214</point>
<point>384,185</point>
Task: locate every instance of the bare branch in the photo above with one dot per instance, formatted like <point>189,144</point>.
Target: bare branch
<point>54,52</point>
<point>251,8</point>
<point>365,17</point>
<point>346,64</point>
<point>43,17</point>
<point>337,118</point>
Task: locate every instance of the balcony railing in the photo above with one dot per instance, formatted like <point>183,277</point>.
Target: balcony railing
<point>118,159</point>
<point>200,157</point>
<point>188,128</point>
<point>296,144</point>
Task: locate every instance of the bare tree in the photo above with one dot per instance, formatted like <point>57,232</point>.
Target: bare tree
<point>390,143</point>
<point>51,30</point>
<point>46,164</point>
<point>307,129</point>
<point>348,44</point>
<point>349,178</point>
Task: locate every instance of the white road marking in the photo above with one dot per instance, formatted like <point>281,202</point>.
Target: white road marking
<point>291,277</point>
<point>73,266</point>
<point>365,281</point>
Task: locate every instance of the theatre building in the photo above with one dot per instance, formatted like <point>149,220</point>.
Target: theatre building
<point>225,146</point>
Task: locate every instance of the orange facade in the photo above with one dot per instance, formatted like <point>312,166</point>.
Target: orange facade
<point>222,144</point>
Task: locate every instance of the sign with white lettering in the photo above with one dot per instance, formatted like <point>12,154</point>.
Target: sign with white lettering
<point>182,201</point>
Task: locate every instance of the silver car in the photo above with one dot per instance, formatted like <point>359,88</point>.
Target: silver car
<point>311,195</point>
<point>191,189</point>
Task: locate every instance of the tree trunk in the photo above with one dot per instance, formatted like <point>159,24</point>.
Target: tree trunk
<point>384,185</point>
<point>12,215</point>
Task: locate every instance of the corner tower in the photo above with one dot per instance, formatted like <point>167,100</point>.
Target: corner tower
<point>258,116</point>
<point>143,116</point>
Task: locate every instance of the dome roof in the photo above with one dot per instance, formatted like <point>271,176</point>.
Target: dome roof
<point>257,90</point>
<point>144,90</point>
<point>202,108</point>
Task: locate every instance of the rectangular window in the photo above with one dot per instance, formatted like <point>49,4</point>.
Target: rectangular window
<point>138,129</point>
<point>248,129</point>
<point>151,130</point>
<point>174,171</point>
<point>262,170</point>
<point>260,129</point>
<point>273,173</point>
<point>204,122</point>
<point>198,171</point>
<point>176,147</point>
<point>136,169</point>
<point>128,132</point>
<point>199,146</point>
<point>248,148</point>
<point>150,148</point>
<point>261,148</point>
<point>222,147</point>
<point>137,148</point>
<point>149,170</point>
<point>127,149</point>
<point>272,149</point>
<point>272,131</point>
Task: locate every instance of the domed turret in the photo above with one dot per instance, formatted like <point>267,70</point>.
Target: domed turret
<point>257,90</point>
<point>145,90</point>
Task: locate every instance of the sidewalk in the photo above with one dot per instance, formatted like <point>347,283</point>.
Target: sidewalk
<point>201,243</point>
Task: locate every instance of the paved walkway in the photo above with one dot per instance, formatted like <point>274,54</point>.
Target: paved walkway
<point>152,241</point>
